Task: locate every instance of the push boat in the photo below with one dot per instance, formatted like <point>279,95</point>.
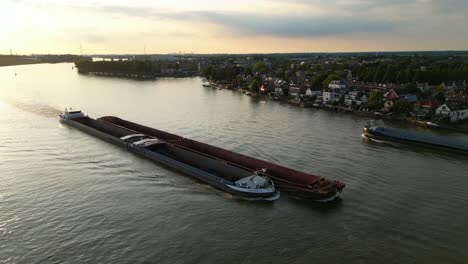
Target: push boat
<point>415,138</point>
<point>234,173</point>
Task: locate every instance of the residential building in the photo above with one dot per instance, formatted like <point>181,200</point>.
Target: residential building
<point>454,110</point>
<point>294,90</point>
<point>337,84</point>
<point>331,96</point>
<point>313,92</point>
<point>391,95</point>
<point>355,98</point>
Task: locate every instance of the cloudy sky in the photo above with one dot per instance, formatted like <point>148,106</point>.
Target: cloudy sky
<point>238,26</point>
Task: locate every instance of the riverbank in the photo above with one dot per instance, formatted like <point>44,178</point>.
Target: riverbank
<point>136,69</point>
<point>11,60</point>
<point>16,60</point>
<point>291,100</point>
<point>137,76</point>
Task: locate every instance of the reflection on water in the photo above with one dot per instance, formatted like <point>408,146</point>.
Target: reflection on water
<point>66,196</point>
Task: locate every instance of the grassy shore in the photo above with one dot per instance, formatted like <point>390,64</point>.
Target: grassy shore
<point>7,60</point>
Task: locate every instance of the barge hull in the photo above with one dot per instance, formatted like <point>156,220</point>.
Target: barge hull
<point>397,136</point>
<point>97,129</point>
<point>296,183</point>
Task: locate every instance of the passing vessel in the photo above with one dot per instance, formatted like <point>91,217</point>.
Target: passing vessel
<point>415,138</point>
<point>231,172</point>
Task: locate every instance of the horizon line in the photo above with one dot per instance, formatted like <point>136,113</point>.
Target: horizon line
<point>248,53</point>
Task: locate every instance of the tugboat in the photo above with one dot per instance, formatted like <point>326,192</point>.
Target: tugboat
<point>70,114</point>
<point>256,183</point>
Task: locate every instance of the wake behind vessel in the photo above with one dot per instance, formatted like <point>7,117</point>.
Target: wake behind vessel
<point>231,172</point>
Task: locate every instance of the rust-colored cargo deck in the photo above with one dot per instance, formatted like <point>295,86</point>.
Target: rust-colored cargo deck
<point>296,183</point>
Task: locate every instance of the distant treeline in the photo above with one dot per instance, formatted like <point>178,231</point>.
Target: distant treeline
<point>7,60</point>
<point>119,66</point>
<point>225,73</point>
<point>405,72</point>
<point>141,68</point>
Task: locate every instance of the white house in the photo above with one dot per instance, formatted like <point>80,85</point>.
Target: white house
<point>456,111</point>
<point>294,90</point>
<point>358,98</point>
<point>330,97</point>
<point>337,84</point>
<point>315,92</point>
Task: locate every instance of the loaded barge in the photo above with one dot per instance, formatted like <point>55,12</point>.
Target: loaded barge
<point>231,172</point>
<point>415,138</point>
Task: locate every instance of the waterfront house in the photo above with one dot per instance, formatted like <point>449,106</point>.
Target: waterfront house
<point>425,108</point>
<point>313,91</point>
<point>454,110</point>
<point>331,97</point>
<point>391,95</point>
<point>294,90</point>
<point>355,98</point>
<point>328,96</point>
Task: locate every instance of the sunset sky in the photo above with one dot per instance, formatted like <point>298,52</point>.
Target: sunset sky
<point>241,26</point>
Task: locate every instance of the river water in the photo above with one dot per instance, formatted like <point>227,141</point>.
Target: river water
<point>67,197</point>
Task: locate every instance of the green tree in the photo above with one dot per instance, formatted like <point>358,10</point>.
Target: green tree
<point>440,97</point>
<point>260,66</point>
<point>401,106</point>
<point>439,89</point>
<point>318,79</point>
<point>410,88</point>
<point>254,86</point>
<point>379,74</point>
<point>376,100</point>
<point>330,77</point>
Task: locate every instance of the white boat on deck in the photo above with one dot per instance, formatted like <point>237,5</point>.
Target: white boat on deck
<point>256,183</point>
<point>70,114</point>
